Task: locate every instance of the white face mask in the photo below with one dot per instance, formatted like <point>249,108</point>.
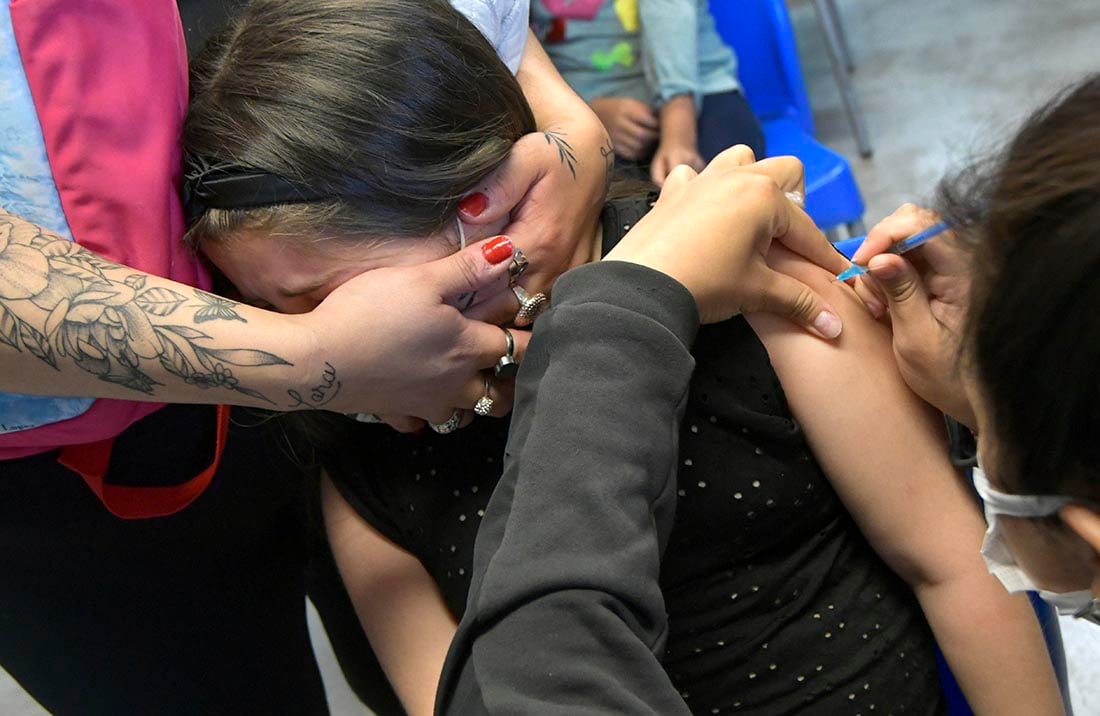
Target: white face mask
<point>1000,561</point>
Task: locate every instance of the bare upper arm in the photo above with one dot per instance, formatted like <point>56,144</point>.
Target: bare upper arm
<point>883,449</point>
<point>399,605</point>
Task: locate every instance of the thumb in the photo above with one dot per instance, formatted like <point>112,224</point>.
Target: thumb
<point>480,268</point>
<point>902,286</point>
<point>790,298</point>
<point>504,189</point>
<point>677,179</point>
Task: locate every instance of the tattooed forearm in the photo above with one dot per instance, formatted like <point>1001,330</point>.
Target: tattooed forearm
<point>62,303</point>
<point>215,307</point>
<point>320,394</point>
<point>565,152</point>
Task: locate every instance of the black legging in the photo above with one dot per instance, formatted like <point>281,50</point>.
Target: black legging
<point>201,612</point>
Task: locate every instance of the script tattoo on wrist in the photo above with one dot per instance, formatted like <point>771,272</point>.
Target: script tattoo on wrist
<point>565,151</point>
<point>319,395</point>
<point>62,303</point>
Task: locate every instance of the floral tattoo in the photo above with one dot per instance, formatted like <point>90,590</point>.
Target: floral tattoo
<point>59,301</point>
<point>565,152</point>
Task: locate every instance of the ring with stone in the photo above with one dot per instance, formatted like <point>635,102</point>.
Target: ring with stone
<point>517,267</point>
<point>507,366</point>
<point>447,426</point>
<point>484,404</point>
<point>530,306</point>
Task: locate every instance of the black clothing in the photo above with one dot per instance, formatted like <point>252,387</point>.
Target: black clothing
<point>200,612</point>
<point>204,19</point>
<point>726,119</point>
<point>776,603</point>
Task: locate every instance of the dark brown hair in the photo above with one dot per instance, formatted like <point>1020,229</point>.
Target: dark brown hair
<point>394,108</point>
<point>1031,217</point>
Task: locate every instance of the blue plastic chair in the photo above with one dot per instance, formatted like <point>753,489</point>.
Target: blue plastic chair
<point>760,33</point>
<point>1048,618</point>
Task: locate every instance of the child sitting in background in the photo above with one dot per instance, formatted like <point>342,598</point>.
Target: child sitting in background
<point>657,74</point>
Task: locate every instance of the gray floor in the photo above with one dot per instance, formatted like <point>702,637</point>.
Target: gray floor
<point>938,79</point>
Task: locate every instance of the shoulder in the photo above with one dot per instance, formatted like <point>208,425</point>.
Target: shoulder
<point>502,22</point>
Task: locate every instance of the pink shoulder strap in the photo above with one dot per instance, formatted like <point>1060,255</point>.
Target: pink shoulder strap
<point>109,83</point>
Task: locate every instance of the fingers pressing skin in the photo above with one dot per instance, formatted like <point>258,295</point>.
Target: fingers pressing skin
<point>790,176</point>
<point>941,265</point>
<point>787,172</point>
<point>811,244</point>
<point>738,155</point>
<point>926,348</point>
<point>711,233</point>
<point>906,220</point>
<point>870,292</point>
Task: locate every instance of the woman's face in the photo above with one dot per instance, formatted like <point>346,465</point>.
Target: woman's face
<point>293,276</point>
<point>1055,557</point>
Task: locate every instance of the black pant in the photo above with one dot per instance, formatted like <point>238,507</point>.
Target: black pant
<point>725,120</point>
<point>201,612</point>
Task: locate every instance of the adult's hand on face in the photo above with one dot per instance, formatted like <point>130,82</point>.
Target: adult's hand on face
<point>633,125</point>
<point>712,231</point>
<point>391,341</point>
<point>552,186</point>
<point>502,391</point>
<point>925,294</point>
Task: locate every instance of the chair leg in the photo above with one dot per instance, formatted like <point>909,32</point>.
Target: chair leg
<point>857,227</point>
<point>844,82</point>
<point>829,9</point>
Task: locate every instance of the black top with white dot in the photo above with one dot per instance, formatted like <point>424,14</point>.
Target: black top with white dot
<point>776,602</point>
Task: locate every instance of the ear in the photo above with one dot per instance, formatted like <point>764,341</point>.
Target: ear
<point>1085,521</point>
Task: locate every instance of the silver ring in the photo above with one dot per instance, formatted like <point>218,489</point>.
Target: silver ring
<point>530,306</point>
<point>447,426</point>
<point>517,267</point>
<point>484,404</point>
<point>507,366</point>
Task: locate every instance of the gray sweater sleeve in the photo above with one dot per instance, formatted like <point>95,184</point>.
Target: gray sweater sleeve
<point>565,614</point>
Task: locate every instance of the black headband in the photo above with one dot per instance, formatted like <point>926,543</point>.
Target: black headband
<point>229,186</point>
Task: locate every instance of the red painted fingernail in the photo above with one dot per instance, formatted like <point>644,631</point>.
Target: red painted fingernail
<point>498,249</point>
<point>474,204</point>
